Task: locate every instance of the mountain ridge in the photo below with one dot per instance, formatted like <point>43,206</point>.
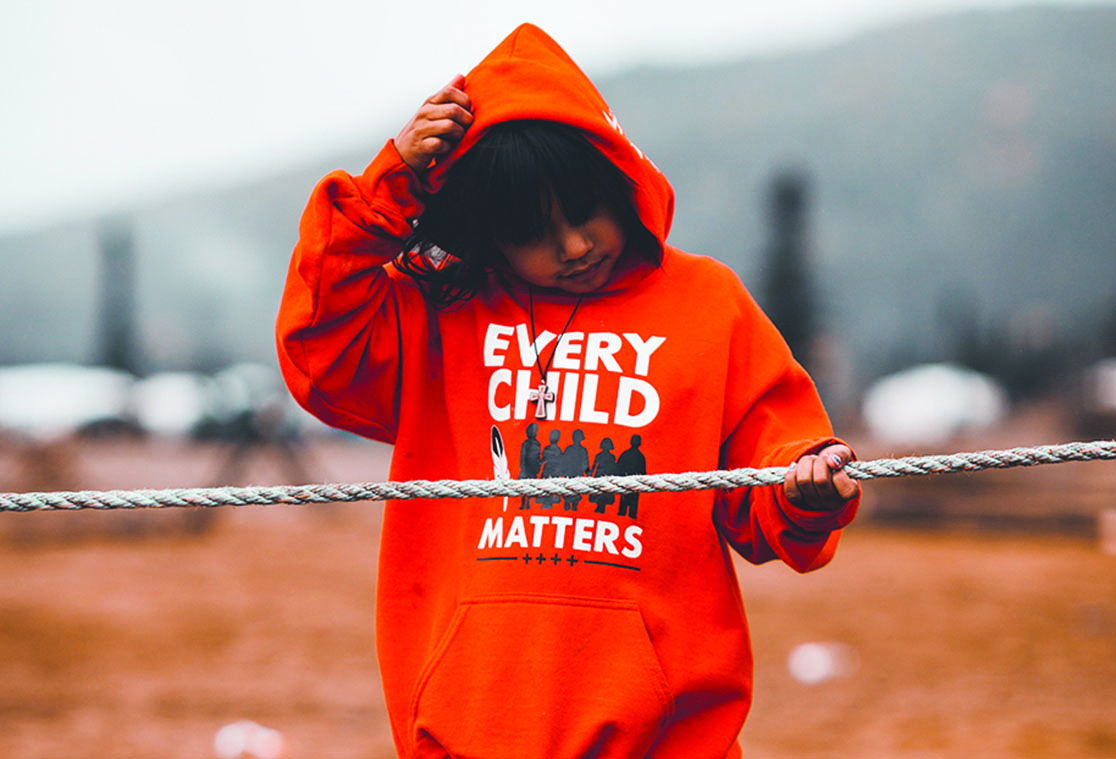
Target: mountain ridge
<point>967,159</point>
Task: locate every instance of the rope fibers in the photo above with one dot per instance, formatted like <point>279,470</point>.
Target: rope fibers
<point>908,466</point>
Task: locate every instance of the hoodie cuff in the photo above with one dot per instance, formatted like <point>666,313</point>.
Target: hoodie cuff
<point>392,187</point>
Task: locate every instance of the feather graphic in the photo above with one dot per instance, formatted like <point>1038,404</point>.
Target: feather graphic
<point>499,460</point>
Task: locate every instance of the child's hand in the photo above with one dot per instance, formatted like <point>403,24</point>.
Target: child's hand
<point>819,483</point>
<point>437,127</point>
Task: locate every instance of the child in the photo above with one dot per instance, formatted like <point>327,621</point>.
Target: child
<point>502,263</point>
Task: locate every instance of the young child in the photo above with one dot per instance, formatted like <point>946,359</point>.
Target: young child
<point>498,277</point>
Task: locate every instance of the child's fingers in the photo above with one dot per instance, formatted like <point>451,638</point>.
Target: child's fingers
<point>435,130</point>
<point>452,93</point>
<point>790,485</point>
<point>847,488</point>
<point>837,455</point>
<point>823,481</point>
<point>802,491</point>
<point>818,482</point>
<point>844,488</point>
<point>445,131</point>
<point>431,146</point>
<point>819,491</point>
<point>435,112</point>
<point>448,96</point>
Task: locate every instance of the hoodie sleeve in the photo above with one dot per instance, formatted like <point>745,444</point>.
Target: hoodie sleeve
<point>773,417</point>
<point>339,328</point>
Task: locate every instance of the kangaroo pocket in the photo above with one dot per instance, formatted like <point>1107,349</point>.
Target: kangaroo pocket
<point>538,676</point>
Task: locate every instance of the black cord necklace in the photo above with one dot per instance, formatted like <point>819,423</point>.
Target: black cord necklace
<point>544,395</point>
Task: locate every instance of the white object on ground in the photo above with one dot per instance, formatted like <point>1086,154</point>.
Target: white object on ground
<point>812,663</point>
<point>248,740</point>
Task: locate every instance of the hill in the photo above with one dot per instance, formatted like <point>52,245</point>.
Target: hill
<point>962,172</point>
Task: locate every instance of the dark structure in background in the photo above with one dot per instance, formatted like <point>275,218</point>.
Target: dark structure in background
<point>118,299</point>
<point>789,297</point>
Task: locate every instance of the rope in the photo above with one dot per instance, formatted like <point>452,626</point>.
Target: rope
<point>646,483</point>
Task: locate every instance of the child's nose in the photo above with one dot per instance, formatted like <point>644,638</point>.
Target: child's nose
<point>575,244</point>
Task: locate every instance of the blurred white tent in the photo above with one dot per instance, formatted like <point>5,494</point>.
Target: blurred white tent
<point>49,401</point>
<point>170,403</point>
<point>929,404</point>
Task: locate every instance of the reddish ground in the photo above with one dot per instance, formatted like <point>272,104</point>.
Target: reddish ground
<point>126,635</point>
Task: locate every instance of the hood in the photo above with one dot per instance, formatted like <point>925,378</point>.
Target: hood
<point>529,76</point>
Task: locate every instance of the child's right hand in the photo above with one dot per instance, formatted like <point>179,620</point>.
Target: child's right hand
<point>437,127</point>
<point>819,482</point>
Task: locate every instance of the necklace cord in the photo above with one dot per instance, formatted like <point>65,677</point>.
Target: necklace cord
<point>535,340</point>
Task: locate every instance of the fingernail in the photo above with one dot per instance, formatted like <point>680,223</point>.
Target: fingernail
<point>836,460</point>
<point>793,465</point>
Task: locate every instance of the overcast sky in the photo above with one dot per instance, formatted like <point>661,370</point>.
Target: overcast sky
<point>106,103</point>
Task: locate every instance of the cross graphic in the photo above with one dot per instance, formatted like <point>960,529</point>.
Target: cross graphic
<point>556,558</point>
<point>540,558</point>
<point>540,398</point>
<point>572,560</point>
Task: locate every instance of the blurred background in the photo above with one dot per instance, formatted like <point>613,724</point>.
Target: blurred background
<point>921,195</point>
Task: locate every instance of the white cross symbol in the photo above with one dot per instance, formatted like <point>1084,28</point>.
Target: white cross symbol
<point>540,398</point>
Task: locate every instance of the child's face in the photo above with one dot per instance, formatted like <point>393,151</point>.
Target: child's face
<point>574,259</point>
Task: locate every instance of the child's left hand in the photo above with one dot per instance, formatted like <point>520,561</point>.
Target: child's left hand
<point>818,482</point>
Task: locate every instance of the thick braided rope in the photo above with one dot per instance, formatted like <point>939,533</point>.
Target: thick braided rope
<point>646,483</point>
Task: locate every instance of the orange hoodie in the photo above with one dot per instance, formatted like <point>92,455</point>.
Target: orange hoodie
<point>603,627</point>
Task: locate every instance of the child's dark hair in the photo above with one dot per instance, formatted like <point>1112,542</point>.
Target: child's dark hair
<point>502,191</point>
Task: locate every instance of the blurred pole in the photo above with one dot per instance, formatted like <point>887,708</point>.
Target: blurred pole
<point>117,315</point>
<point>790,297</point>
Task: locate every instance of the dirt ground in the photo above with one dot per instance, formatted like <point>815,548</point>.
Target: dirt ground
<point>140,635</point>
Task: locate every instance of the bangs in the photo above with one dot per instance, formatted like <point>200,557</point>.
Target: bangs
<point>519,170</point>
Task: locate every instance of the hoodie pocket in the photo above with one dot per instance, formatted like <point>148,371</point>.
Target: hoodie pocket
<point>541,676</point>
